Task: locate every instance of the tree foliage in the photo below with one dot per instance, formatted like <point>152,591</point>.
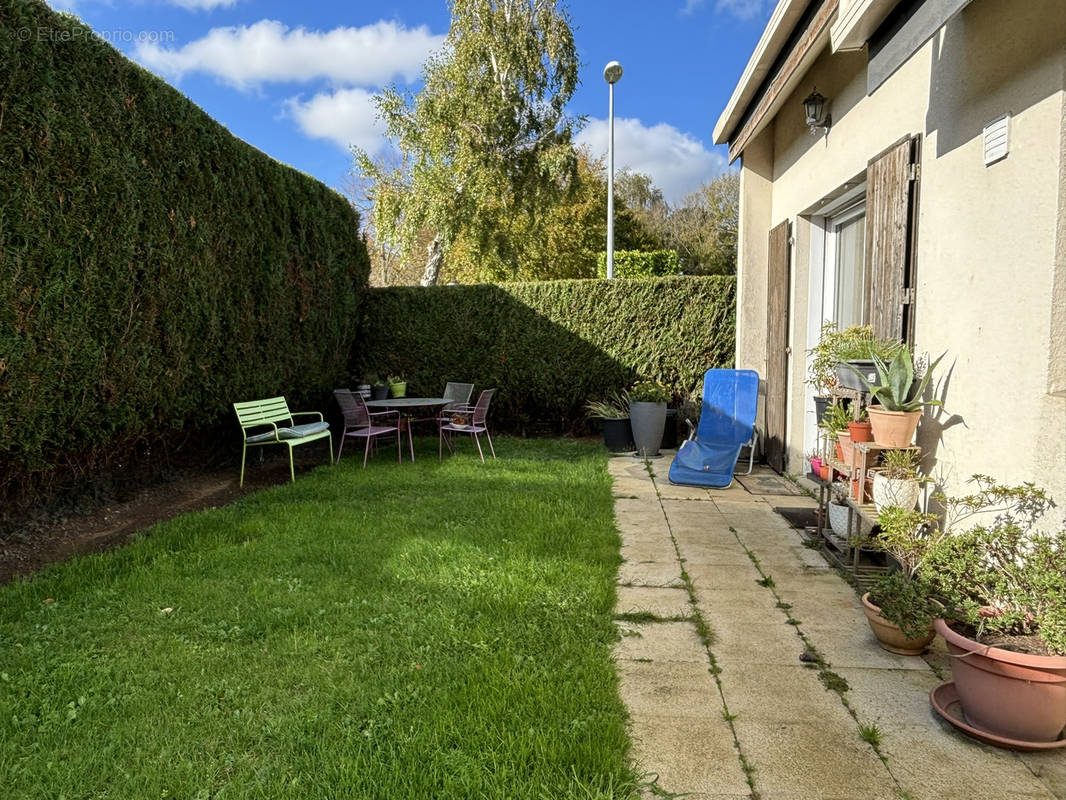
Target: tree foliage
<point>486,139</point>
<point>565,239</point>
<point>702,228</point>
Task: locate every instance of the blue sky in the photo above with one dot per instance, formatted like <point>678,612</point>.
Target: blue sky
<point>295,78</point>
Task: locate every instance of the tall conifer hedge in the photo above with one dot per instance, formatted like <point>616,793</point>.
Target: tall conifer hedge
<point>549,346</point>
<point>153,267</point>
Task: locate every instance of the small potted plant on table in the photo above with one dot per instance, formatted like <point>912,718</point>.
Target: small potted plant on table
<point>613,412</point>
<point>397,386</point>
<point>647,415</point>
<point>379,390</point>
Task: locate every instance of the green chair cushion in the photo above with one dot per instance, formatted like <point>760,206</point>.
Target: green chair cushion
<point>295,432</point>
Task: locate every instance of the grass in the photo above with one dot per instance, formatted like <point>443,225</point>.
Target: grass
<point>404,631</point>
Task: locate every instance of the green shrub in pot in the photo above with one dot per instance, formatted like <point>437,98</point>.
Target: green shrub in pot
<point>614,411</point>
<point>1002,580</point>
<point>1002,585</point>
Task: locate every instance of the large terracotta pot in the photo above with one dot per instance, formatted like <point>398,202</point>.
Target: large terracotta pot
<point>895,492</point>
<point>1013,695</point>
<point>893,428</point>
<point>888,634</point>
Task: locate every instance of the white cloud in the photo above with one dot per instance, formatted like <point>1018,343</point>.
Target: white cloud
<point>269,51</point>
<point>205,5</point>
<point>743,9</point>
<point>677,162</point>
<point>344,117</point>
<point>691,6</point>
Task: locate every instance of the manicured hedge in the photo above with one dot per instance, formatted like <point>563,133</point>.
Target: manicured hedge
<point>641,264</point>
<point>549,346</point>
<point>153,267</point>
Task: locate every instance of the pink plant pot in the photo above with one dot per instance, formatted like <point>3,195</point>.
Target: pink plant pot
<point>1013,695</point>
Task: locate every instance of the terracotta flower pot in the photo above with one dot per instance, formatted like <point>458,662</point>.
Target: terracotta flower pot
<point>1012,695</point>
<point>888,634</point>
<point>860,431</point>
<point>893,428</point>
<point>846,450</point>
<point>823,472</point>
<point>895,492</point>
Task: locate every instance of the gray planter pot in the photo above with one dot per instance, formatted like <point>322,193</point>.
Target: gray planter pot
<point>648,421</point>
<point>849,380</point>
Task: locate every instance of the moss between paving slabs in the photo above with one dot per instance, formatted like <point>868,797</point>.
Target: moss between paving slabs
<point>415,631</point>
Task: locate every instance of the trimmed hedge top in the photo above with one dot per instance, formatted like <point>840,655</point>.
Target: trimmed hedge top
<point>549,346</point>
<point>153,267</point>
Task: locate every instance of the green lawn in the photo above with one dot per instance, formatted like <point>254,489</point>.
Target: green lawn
<point>404,631</point>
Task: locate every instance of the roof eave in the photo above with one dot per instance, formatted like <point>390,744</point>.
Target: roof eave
<point>773,39</point>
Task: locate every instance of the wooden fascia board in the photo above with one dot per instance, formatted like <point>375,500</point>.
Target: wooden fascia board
<point>800,57</point>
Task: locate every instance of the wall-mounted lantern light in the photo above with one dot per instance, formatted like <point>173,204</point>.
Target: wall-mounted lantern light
<point>816,108</point>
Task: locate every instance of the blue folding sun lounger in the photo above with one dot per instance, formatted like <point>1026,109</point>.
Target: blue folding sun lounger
<point>727,423</point>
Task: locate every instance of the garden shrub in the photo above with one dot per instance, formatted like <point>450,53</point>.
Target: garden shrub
<point>153,267</point>
<point>550,346</point>
<point>641,264</point>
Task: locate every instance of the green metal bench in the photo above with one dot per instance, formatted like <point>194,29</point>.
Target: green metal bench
<point>268,413</point>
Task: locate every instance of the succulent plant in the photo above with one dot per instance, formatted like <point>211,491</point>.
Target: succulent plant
<point>896,389</point>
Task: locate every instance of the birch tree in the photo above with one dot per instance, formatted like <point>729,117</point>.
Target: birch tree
<point>487,137</point>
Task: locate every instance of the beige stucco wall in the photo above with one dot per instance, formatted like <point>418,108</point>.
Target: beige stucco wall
<point>990,238</point>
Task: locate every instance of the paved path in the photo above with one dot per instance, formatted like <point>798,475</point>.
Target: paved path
<point>718,599</point>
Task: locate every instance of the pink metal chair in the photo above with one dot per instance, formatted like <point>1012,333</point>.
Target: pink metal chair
<point>475,416</point>
<point>359,422</point>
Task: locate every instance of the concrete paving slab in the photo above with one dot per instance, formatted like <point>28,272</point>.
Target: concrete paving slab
<point>712,554</point>
<point>1050,768</point>
<point>741,607</point>
<point>852,644</point>
<point>669,491</point>
<point>657,551</point>
<point>660,641</point>
<point>782,694</point>
<point>663,603</point>
<point>674,688</point>
<point>641,506</point>
<point>745,645</point>
<point>650,574</point>
<point>928,757</point>
<point>818,758</point>
<point>736,579</point>
<point>693,757</point>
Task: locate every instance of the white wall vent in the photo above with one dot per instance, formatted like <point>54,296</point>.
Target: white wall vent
<point>996,139</point>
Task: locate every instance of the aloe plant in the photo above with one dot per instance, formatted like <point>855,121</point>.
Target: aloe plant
<point>895,389</point>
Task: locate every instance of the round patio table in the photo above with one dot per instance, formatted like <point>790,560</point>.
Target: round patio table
<point>405,404</point>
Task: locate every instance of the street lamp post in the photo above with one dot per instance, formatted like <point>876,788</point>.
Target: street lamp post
<point>611,73</point>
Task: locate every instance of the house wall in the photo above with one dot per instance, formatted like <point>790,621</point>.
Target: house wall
<point>990,250</point>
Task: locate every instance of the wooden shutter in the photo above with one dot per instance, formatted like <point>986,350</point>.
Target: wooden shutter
<point>891,229</point>
<point>777,346</point>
